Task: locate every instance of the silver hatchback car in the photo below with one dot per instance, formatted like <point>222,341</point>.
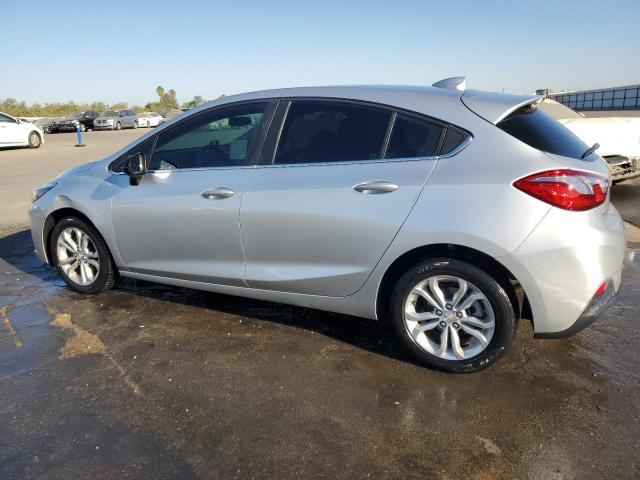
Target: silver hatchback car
<point>450,213</point>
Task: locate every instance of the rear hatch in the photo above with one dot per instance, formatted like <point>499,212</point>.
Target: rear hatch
<point>519,116</point>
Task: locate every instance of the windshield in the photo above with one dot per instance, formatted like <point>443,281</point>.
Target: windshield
<point>109,113</point>
<point>558,110</point>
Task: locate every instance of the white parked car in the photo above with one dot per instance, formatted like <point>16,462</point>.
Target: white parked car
<point>618,137</point>
<point>18,133</point>
<point>149,119</point>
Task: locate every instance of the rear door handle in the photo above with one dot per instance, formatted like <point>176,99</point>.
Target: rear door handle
<point>217,193</point>
<point>377,187</point>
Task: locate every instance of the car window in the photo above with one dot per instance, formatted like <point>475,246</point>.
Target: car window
<point>323,131</point>
<point>452,140</point>
<point>6,118</point>
<point>539,130</point>
<point>412,137</point>
<point>144,148</point>
<point>219,138</point>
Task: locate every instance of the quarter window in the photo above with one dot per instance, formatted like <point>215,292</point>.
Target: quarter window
<point>219,138</point>
<point>413,138</point>
<point>317,131</point>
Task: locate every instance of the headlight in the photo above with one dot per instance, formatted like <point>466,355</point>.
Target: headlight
<point>109,121</point>
<point>38,192</point>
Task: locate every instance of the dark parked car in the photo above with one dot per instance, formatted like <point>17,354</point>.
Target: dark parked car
<point>85,118</point>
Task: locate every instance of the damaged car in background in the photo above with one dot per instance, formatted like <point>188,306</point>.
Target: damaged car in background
<point>618,138</point>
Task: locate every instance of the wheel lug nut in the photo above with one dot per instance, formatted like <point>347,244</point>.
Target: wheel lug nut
<point>443,324</point>
<point>459,314</point>
<point>448,306</point>
<point>438,312</point>
<point>456,326</point>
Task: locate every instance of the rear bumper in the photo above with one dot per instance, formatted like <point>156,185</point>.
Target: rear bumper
<point>596,307</point>
<point>563,262</point>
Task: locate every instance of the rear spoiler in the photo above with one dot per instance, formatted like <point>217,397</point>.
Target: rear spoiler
<point>495,107</point>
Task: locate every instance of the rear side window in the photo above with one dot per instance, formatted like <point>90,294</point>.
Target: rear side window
<point>316,132</point>
<point>452,139</point>
<point>413,138</point>
<point>541,131</point>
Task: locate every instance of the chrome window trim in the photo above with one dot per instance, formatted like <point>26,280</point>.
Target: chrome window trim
<point>452,153</point>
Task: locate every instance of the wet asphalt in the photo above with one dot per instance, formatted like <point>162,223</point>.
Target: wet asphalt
<point>157,382</point>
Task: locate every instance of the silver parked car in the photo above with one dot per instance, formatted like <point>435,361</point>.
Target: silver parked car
<point>116,120</point>
<point>449,213</point>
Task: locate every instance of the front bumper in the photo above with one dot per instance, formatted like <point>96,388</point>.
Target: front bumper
<point>38,219</point>
<point>623,168</point>
<point>103,126</point>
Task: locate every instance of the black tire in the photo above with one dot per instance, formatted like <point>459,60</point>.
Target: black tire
<point>118,126</point>
<point>106,276</point>
<point>505,317</point>
<point>135,124</point>
<point>34,140</point>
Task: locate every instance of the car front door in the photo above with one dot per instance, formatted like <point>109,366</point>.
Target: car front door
<point>10,130</point>
<point>181,220</point>
<point>320,214</point>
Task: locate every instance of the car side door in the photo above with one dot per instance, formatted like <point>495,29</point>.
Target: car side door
<point>10,130</point>
<point>342,177</point>
<point>181,220</point>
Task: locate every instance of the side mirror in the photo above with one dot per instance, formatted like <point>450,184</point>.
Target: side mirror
<point>135,167</point>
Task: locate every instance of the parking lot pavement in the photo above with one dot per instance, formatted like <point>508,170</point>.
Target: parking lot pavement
<point>626,197</point>
<point>158,382</point>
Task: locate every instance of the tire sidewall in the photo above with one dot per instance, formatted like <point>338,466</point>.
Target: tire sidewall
<point>505,317</point>
<point>106,275</point>
<point>118,126</point>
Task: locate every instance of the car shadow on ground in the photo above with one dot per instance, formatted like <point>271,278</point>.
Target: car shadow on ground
<point>17,250</point>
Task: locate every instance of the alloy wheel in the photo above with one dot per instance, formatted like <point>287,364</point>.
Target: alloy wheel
<point>449,317</point>
<point>78,256</point>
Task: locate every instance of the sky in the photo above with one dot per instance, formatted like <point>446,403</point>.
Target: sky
<point>115,50</point>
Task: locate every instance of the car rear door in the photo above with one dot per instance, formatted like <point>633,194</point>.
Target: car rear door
<point>331,194</point>
<point>181,220</point>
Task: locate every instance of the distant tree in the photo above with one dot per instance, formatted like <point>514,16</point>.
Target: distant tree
<point>137,108</point>
<point>166,100</point>
<point>197,100</point>
<point>120,106</point>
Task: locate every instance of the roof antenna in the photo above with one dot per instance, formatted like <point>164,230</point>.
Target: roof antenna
<point>452,83</point>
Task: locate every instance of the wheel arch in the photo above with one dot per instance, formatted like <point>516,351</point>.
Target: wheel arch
<point>57,215</point>
<point>479,259</point>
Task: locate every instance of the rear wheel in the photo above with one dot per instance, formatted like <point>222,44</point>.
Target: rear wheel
<point>81,256</point>
<point>452,316</point>
<point>135,124</point>
<point>34,140</point>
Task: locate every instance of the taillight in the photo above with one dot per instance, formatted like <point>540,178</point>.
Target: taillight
<point>567,189</point>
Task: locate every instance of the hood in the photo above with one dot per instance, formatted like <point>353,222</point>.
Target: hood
<point>616,135</point>
<point>493,106</point>
<point>75,170</point>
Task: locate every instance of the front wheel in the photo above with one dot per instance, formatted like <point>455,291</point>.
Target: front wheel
<point>34,140</point>
<point>452,316</point>
<point>135,124</point>
<point>118,126</point>
<point>81,256</point>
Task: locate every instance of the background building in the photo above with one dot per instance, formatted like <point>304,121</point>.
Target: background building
<point>615,98</point>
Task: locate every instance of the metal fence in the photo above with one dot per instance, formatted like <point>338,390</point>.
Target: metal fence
<point>617,98</point>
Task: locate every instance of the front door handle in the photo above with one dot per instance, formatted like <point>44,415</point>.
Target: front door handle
<point>374,188</point>
<point>217,193</point>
